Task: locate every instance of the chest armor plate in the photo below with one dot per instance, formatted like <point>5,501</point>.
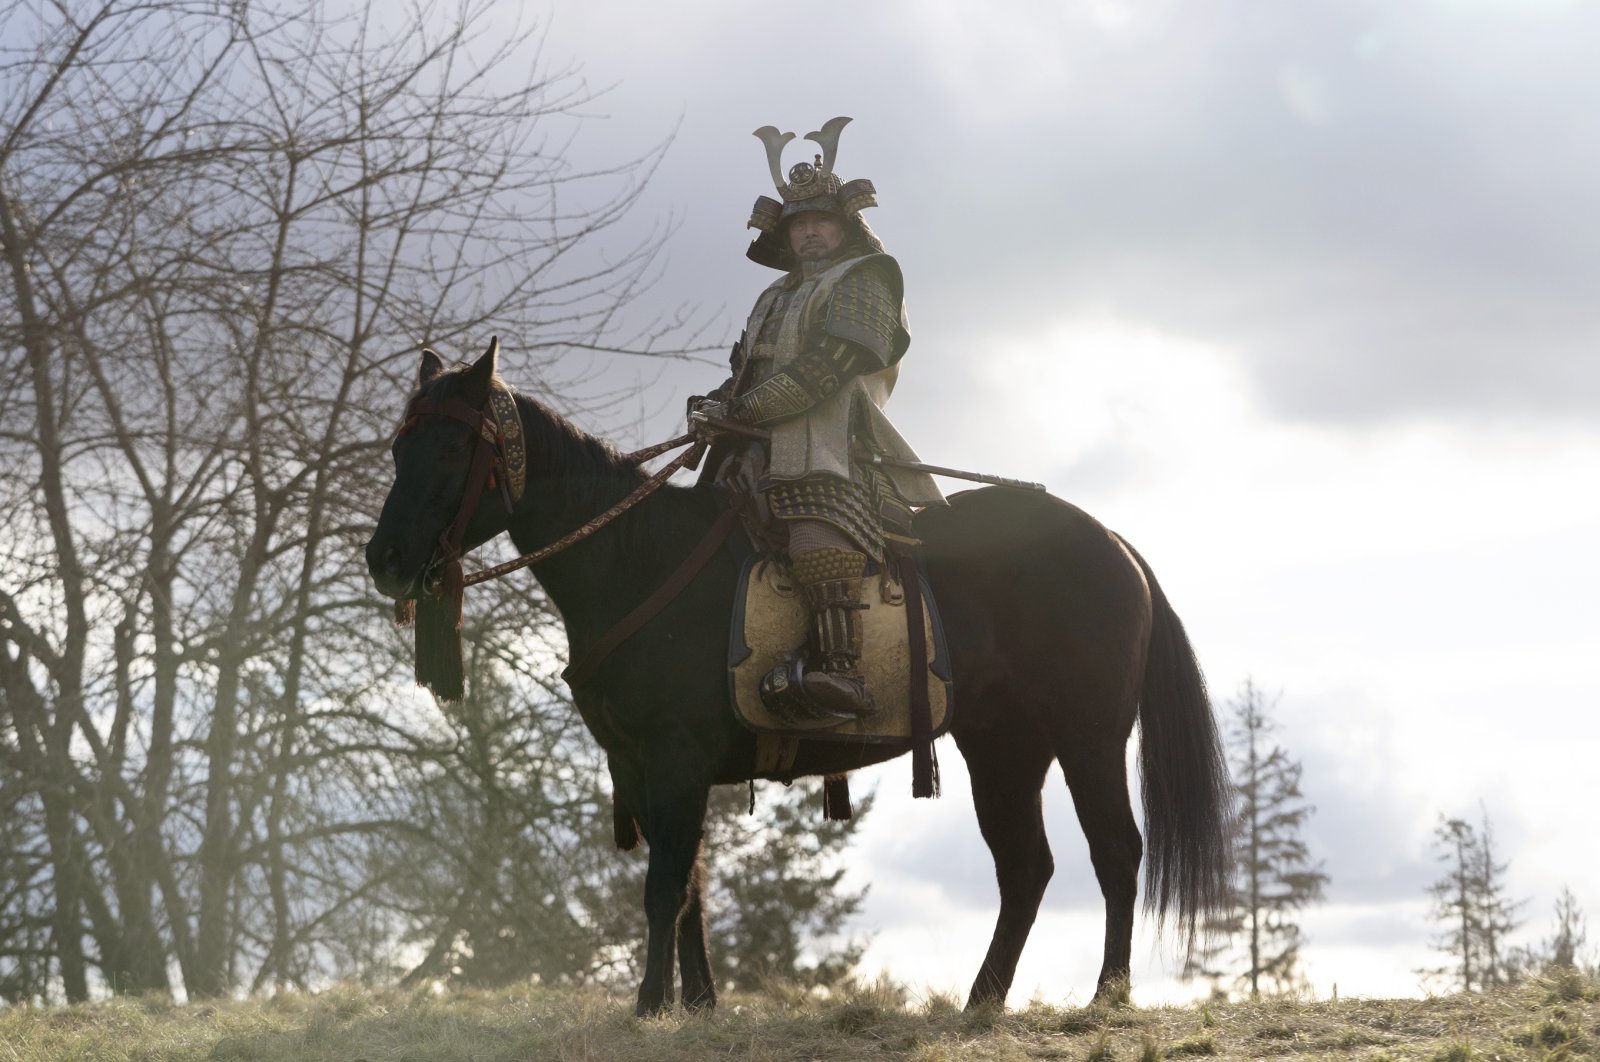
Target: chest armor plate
<point>779,321</point>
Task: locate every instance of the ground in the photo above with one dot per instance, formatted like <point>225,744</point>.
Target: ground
<point>1551,1020</point>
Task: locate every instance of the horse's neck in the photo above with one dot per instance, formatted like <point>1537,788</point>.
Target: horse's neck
<point>571,483</point>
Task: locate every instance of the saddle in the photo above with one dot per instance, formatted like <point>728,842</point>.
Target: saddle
<point>769,627</point>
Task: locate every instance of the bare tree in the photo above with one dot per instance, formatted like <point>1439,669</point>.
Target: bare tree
<point>24,865</point>
<point>224,227</point>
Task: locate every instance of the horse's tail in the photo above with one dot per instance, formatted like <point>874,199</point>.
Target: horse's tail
<point>1187,795</point>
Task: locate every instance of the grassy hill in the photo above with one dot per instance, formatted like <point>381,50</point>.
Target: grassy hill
<point>1547,1020</point>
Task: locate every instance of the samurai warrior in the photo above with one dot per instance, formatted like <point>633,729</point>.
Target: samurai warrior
<point>817,361</point>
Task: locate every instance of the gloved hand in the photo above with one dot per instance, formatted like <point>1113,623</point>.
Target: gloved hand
<point>714,408</point>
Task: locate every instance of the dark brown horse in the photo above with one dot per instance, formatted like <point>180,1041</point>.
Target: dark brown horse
<point>1060,639</point>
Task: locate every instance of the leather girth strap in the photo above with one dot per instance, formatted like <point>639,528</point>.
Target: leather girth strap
<point>924,763</point>
<point>580,672</point>
<point>924,766</point>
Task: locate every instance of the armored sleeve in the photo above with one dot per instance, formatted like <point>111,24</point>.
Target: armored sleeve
<point>861,332</point>
<point>864,309</point>
<point>807,380</point>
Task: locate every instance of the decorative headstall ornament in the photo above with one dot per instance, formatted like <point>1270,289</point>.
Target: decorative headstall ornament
<point>811,185</point>
<point>513,462</point>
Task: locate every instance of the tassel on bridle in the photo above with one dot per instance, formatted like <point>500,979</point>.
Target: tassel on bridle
<point>436,617</point>
<point>438,637</point>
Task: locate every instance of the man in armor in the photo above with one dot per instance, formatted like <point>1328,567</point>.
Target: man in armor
<point>817,361</point>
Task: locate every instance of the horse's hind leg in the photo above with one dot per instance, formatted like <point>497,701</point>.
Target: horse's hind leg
<point>1097,774</point>
<point>1008,771</point>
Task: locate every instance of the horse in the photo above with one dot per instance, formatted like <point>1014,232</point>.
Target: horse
<point>1059,640</point>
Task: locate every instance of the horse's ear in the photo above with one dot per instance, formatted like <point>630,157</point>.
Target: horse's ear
<point>432,365</point>
<point>475,385</point>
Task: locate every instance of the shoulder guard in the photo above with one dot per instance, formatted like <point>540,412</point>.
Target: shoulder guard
<point>867,308</point>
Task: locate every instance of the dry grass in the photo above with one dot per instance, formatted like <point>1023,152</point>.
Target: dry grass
<point>1548,1021</point>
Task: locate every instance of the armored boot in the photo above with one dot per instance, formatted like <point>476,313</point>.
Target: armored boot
<point>830,581</point>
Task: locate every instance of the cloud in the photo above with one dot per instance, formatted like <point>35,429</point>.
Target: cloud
<point>1384,212</point>
<point>1377,236</point>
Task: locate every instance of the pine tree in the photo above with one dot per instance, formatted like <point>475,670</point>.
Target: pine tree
<point>1472,904</point>
<point>1571,932</point>
<point>1454,899</point>
<point>777,900</point>
<point>1562,951</point>
<point>1496,911</point>
<point>1274,874</point>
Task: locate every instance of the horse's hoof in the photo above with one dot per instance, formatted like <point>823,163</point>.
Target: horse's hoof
<point>704,1003</point>
<point>1116,992</point>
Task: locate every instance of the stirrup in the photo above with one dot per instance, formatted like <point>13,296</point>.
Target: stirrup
<point>844,694</point>
<point>783,693</point>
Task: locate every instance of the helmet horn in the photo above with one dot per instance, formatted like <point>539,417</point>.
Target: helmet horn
<point>828,138</point>
<point>775,142</point>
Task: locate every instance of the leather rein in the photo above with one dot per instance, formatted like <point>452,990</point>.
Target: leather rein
<point>688,459</point>
<point>492,433</point>
<point>490,453</point>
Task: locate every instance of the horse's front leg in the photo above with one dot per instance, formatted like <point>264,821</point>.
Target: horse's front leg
<point>694,960</point>
<point>676,799</point>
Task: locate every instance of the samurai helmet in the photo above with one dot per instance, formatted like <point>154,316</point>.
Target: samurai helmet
<point>811,185</point>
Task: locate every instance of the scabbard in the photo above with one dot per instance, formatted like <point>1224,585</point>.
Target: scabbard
<point>954,473</point>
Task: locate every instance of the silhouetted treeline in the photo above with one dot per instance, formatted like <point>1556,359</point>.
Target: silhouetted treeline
<point>1476,914</point>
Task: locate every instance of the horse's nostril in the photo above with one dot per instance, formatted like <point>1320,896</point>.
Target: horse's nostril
<point>391,561</point>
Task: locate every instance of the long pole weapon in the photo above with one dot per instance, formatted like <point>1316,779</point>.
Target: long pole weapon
<point>733,427</point>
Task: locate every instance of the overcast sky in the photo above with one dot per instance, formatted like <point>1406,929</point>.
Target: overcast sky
<point>1299,297</point>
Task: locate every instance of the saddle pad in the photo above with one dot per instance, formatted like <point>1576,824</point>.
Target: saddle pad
<point>770,621</point>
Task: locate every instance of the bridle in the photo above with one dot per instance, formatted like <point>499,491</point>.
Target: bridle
<point>500,445</point>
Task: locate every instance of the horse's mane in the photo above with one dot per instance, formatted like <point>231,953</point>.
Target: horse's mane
<point>556,447</point>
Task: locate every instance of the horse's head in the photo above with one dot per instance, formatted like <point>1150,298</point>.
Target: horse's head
<point>436,454</point>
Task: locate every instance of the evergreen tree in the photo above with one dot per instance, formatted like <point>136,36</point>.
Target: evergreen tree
<point>1274,873</point>
<point>776,901</point>
<point>1562,951</point>
<point>1471,903</point>
<point>1571,932</point>
<point>1454,900</point>
<point>1496,911</point>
